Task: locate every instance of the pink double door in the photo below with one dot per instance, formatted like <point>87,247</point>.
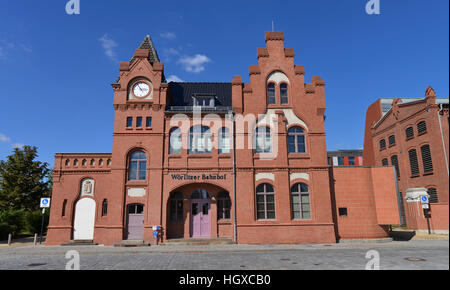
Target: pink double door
<point>200,218</point>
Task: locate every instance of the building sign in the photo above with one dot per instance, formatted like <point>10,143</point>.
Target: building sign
<point>199,177</point>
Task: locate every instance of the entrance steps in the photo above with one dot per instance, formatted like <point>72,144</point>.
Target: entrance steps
<point>197,242</point>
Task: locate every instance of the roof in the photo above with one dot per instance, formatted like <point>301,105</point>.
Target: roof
<point>153,57</point>
<point>386,103</point>
<point>182,93</point>
<point>147,43</point>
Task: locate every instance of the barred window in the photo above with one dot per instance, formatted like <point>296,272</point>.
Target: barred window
<point>382,144</point>
<point>422,128</point>
<point>413,163</point>
<point>394,162</point>
<point>392,140</point>
<point>432,192</point>
<point>426,159</point>
<point>409,133</point>
<point>385,162</point>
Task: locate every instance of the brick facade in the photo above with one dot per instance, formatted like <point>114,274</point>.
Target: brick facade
<point>165,194</point>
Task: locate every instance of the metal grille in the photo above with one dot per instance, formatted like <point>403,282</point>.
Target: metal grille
<point>391,140</point>
<point>426,159</point>
<point>382,144</point>
<point>409,133</point>
<point>422,127</point>
<point>414,164</point>
<point>433,195</point>
<point>394,162</point>
<point>401,207</point>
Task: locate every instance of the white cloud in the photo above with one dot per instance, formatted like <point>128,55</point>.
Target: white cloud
<point>4,138</point>
<point>109,45</point>
<point>174,78</point>
<point>168,35</point>
<point>195,63</point>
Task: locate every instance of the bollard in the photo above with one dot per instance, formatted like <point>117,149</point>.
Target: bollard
<point>35,239</point>
<point>9,239</point>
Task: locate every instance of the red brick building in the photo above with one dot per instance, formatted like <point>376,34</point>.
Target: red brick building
<point>412,135</point>
<point>245,161</point>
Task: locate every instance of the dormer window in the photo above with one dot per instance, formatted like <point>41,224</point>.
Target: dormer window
<point>204,101</point>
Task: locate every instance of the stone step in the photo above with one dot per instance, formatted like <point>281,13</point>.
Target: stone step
<point>132,243</point>
<point>198,242</point>
<point>80,243</point>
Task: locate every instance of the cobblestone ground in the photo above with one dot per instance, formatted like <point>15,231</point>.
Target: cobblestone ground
<point>393,256</point>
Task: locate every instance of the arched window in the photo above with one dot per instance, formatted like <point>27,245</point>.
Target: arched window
<point>223,206</point>
<point>200,194</point>
<point>200,140</point>
<point>175,141</point>
<point>413,163</point>
<point>426,159</point>
<point>271,94</point>
<point>432,192</point>
<point>391,140</point>
<point>284,96</point>
<point>224,141</point>
<point>382,144</point>
<point>296,140</point>
<point>409,133</point>
<point>263,140</point>
<point>265,202</point>
<point>176,207</point>
<point>385,162</point>
<point>105,207</point>
<point>300,201</point>
<point>67,162</point>
<point>422,128</point>
<point>394,162</point>
<point>137,166</point>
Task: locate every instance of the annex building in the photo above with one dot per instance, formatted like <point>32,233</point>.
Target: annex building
<point>411,134</point>
<point>242,161</point>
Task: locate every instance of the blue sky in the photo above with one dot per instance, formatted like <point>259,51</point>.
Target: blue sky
<point>56,69</point>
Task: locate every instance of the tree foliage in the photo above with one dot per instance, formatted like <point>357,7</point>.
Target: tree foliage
<point>24,180</point>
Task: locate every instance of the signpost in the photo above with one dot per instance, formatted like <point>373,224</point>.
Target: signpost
<point>45,203</point>
<point>426,210</point>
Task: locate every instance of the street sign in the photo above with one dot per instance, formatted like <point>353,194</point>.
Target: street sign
<point>424,199</point>
<point>45,202</point>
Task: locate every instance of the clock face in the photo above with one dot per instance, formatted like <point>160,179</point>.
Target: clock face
<point>141,89</point>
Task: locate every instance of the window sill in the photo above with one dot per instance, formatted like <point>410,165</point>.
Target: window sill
<point>391,145</point>
<point>175,155</point>
<point>200,155</point>
<point>298,156</point>
<point>129,128</point>
<point>224,222</point>
<point>415,175</point>
<point>224,155</point>
<point>428,173</point>
<point>423,133</point>
<point>149,128</point>
<point>407,139</point>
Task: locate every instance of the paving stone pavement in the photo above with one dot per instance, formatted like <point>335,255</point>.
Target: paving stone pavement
<point>414,255</point>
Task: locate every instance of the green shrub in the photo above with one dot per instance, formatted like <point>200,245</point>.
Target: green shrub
<point>34,221</point>
<point>5,230</point>
<point>15,219</point>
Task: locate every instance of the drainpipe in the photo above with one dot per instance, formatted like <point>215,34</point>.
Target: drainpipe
<point>231,116</point>
<point>442,136</point>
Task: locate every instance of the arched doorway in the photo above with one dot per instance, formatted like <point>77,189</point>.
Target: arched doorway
<point>83,228</point>
<point>135,222</point>
<point>200,214</point>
